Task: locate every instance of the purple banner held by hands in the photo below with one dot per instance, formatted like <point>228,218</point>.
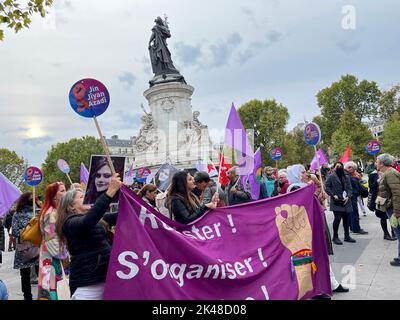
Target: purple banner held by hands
<point>269,249</point>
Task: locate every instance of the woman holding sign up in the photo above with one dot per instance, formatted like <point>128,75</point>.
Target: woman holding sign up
<point>80,228</point>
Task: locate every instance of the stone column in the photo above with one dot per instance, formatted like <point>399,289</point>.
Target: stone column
<point>170,105</point>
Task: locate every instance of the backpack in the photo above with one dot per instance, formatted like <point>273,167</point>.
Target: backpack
<point>363,190</point>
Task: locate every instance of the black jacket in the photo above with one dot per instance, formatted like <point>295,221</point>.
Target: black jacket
<point>181,213</point>
<point>335,186</point>
<point>8,220</point>
<point>88,245</point>
<point>373,190</point>
<point>2,239</point>
<point>238,197</point>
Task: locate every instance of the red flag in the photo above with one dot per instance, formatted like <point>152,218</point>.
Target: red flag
<point>223,179</point>
<point>346,155</point>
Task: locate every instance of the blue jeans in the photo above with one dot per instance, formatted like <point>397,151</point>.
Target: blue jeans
<point>396,231</point>
<point>3,291</point>
<point>354,216</point>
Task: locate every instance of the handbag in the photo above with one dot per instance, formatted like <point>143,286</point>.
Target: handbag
<point>371,205</point>
<point>382,204</point>
<point>63,290</point>
<point>27,251</point>
<point>338,202</point>
<point>32,232</point>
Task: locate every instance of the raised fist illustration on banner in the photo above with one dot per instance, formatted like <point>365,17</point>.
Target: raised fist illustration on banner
<point>295,233</point>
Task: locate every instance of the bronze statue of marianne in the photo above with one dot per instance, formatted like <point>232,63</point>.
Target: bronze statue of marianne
<point>160,55</point>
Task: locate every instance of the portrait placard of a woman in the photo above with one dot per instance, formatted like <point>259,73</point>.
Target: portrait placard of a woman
<point>100,177</point>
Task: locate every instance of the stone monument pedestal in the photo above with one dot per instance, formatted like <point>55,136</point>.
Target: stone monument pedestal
<point>172,131</point>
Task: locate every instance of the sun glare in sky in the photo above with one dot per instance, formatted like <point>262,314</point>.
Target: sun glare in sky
<point>35,132</point>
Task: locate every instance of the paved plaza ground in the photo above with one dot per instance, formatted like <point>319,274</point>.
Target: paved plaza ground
<point>362,266</point>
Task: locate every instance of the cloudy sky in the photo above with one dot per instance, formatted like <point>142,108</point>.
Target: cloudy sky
<point>229,51</point>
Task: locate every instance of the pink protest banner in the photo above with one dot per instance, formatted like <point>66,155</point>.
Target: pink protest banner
<point>268,249</point>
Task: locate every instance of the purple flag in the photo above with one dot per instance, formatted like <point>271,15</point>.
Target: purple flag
<point>8,194</point>
<point>128,178</point>
<point>84,176</point>
<point>237,149</point>
<point>254,184</point>
<point>322,159</point>
<point>129,174</point>
<point>255,250</point>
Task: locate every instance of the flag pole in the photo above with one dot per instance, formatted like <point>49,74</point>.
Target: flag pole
<point>234,186</point>
<point>104,145</point>
<point>219,168</point>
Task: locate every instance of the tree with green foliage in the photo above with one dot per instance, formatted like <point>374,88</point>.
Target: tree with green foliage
<point>360,98</point>
<point>391,135</point>
<point>296,150</point>
<point>351,132</point>
<point>16,17</point>
<point>390,102</point>
<point>13,166</point>
<point>74,152</point>
<point>268,119</point>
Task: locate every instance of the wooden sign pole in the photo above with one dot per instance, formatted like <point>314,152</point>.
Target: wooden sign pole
<point>69,178</point>
<point>34,201</point>
<point>103,141</point>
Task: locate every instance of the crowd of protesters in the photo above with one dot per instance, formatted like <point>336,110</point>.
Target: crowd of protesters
<point>77,238</point>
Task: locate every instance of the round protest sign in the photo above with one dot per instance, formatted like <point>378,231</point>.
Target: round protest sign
<point>276,154</point>
<point>373,147</point>
<point>142,174</point>
<point>312,134</point>
<point>33,176</point>
<point>63,166</point>
<point>89,98</point>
